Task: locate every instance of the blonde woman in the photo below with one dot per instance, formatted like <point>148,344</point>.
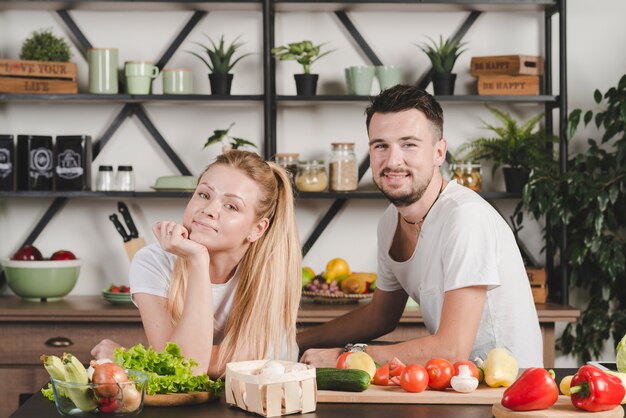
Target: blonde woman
<point>225,284</point>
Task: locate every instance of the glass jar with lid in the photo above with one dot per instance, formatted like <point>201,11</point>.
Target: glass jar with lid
<point>468,174</point>
<point>343,167</point>
<point>288,161</point>
<point>311,176</point>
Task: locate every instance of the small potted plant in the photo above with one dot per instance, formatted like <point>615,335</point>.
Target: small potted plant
<point>233,142</point>
<point>44,46</point>
<point>221,61</point>
<point>305,53</point>
<point>518,148</point>
<point>443,55</point>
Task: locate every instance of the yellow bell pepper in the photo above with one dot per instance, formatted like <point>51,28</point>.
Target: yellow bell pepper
<point>500,368</point>
<point>622,377</point>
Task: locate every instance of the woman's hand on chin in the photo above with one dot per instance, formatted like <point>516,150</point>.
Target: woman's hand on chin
<point>174,238</point>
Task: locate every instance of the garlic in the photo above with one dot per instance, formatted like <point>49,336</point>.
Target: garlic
<point>464,382</point>
<point>272,368</point>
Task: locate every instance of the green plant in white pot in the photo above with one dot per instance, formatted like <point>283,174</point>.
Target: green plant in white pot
<point>221,60</point>
<point>305,53</point>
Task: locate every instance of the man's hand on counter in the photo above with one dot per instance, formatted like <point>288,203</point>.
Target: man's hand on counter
<point>321,357</point>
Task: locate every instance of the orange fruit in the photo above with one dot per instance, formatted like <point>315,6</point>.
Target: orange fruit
<point>335,268</point>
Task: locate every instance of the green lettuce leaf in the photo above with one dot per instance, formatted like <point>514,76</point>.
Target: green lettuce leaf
<point>169,371</point>
<point>620,357</point>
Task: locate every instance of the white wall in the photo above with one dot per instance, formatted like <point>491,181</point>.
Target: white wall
<point>83,225</point>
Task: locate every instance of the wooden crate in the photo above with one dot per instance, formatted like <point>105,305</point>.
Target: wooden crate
<point>508,85</point>
<point>507,65</point>
<point>37,77</point>
<point>538,283</point>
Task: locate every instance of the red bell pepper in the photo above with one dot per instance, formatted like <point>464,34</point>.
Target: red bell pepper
<point>535,389</point>
<point>593,390</point>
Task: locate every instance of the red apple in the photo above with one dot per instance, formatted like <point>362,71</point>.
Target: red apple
<point>63,255</point>
<point>28,253</point>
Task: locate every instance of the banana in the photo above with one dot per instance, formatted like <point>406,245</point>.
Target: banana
<point>75,372</point>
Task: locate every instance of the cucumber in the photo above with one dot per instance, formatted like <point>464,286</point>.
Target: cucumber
<point>349,380</point>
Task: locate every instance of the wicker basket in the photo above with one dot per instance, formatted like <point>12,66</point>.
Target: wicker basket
<point>272,395</point>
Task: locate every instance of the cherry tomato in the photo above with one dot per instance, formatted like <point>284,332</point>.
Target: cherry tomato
<point>381,377</point>
<point>440,372</point>
<point>414,378</point>
<point>469,364</point>
<point>396,367</point>
<point>341,361</point>
<point>109,405</point>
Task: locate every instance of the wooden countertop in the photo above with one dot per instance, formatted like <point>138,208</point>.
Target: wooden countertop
<point>96,309</point>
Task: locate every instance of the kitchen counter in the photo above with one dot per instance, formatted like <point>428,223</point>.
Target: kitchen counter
<point>37,407</point>
<point>76,323</point>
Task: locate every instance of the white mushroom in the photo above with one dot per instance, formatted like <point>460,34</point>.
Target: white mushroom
<point>464,382</point>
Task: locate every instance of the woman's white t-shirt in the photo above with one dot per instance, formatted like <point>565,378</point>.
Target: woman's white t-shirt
<point>465,242</point>
<point>150,273</point>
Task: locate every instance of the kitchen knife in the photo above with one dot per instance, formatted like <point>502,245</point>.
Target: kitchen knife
<point>119,227</point>
<point>135,242</point>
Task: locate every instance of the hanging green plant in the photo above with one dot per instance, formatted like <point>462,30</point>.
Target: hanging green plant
<point>44,46</point>
<point>590,199</point>
<point>233,142</point>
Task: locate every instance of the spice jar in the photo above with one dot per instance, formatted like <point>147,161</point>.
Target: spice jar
<point>343,167</point>
<point>468,174</point>
<point>311,176</point>
<point>104,179</point>
<point>125,178</point>
<point>289,162</point>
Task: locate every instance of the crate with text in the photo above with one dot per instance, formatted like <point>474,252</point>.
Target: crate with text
<point>508,85</point>
<point>538,283</point>
<point>506,65</point>
<point>37,77</point>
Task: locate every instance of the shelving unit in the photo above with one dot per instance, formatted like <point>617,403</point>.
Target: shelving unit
<point>271,101</point>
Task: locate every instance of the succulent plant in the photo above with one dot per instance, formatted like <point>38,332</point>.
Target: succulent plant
<point>220,56</point>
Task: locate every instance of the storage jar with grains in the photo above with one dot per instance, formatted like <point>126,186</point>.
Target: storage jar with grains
<point>344,175</point>
<point>311,176</point>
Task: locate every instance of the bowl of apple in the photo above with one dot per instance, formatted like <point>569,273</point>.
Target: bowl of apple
<point>34,278</point>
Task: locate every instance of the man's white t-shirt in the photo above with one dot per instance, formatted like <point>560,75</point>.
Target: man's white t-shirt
<point>465,242</point>
<point>150,273</point>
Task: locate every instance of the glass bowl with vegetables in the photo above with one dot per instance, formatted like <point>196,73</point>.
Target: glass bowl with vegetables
<point>111,390</point>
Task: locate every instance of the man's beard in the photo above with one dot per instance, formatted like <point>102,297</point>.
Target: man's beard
<point>407,199</point>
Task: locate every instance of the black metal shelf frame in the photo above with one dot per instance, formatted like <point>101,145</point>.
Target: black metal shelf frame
<point>133,104</point>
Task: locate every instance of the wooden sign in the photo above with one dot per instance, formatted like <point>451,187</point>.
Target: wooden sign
<point>507,64</point>
<point>514,85</point>
<point>45,69</point>
<point>36,86</point>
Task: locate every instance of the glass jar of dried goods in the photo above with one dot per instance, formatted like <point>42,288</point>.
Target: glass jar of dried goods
<point>288,161</point>
<point>343,167</point>
<point>468,174</point>
<point>311,176</point>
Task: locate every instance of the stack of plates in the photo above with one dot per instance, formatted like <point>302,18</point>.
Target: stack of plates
<point>117,298</point>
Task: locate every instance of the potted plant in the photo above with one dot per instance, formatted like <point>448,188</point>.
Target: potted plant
<point>44,46</point>
<point>305,53</point>
<point>221,61</point>
<point>443,55</point>
<point>518,148</point>
<point>233,142</point>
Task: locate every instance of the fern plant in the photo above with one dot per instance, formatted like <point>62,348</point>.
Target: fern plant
<point>443,55</point>
<point>220,56</point>
<point>234,142</point>
<point>513,145</point>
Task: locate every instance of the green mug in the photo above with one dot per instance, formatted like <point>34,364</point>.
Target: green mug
<point>388,76</point>
<point>361,78</point>
<point>139,75</point>
<point>177,81</point>
<point>102,70</point>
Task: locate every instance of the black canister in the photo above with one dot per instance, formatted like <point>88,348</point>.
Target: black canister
<point>72,162</point>
<point>34,162</point>
<point>7,163</point>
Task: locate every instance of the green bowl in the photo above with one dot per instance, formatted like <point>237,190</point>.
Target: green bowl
<point>41,281</point>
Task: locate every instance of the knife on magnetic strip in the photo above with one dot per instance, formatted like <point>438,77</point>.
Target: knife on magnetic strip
<point>135,243</point>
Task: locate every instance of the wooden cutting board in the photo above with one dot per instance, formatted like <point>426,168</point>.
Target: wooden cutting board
<point>177,399</point>
<point>484,395</point>
<point>563,408</point>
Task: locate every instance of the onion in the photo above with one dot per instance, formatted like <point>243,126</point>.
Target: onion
<point>131,398</point>
<point>106,377</point>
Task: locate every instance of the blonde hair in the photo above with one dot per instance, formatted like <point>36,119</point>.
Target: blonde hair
<point>270,268</point>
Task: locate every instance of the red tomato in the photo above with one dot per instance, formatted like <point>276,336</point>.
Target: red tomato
<point>440,372</point>
<point>341,361</point>
<point>381,378</point>
<point>414,378</point>
<point>471,365</point>
<point>396,367</point>
<point>109,405</point>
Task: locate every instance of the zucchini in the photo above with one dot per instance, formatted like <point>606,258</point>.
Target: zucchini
<point>349,380</point>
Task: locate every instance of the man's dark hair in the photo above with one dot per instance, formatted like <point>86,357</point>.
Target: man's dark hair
<point>403,97</point>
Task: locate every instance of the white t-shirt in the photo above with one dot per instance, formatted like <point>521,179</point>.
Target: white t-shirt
<point>150,273</point>
<point>465,242</point>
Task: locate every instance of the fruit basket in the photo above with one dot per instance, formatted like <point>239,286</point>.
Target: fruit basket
<point>335,298</point>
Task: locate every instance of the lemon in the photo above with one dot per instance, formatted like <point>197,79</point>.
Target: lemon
<point>336,268</point>
<point>307,275</point>
<point>361,361</point>
<point>565,384</point>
